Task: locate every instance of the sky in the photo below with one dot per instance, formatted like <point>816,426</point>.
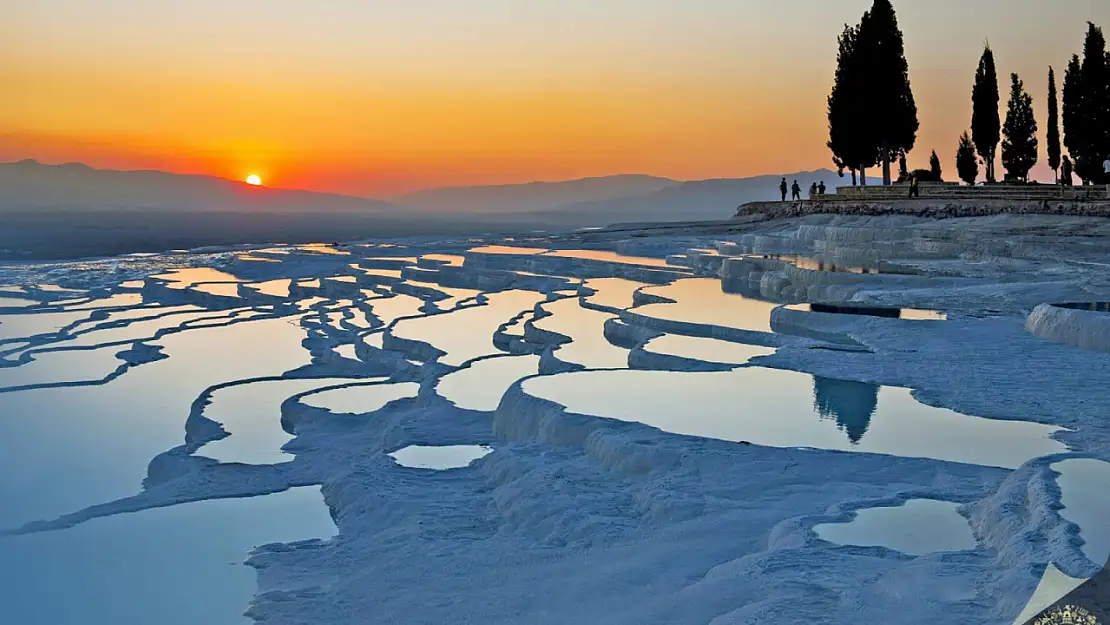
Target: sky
<point>376,98</point>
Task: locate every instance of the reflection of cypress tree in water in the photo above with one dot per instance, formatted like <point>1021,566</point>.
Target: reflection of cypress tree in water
<point>850,404</point>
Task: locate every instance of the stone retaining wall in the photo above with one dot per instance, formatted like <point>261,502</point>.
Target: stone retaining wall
<point>955,191</point>
<point>935,208</point>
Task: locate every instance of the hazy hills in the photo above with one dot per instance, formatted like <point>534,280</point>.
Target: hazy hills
<point>67,211</point>
<point>534,196</point>
<point>29,185</point>
<point>33,185</point>
<point>693,201</point>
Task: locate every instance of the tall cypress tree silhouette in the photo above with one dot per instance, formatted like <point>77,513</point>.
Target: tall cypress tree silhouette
<point>985,123</point>
<point>889,103</point>
<point>847,139</point>
<point>1019,148</point>
<point>1052,137</point>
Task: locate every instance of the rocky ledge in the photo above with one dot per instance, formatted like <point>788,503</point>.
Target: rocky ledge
<point>937,209</point>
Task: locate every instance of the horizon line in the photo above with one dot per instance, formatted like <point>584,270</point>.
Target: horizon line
<point>36,161</point>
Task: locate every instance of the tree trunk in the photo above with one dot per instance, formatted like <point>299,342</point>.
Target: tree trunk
<point>853,177</point>
<point>886,163</point>
<point>863,177</point>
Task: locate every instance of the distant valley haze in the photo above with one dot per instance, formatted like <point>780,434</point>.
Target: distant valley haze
<point>72,210</point>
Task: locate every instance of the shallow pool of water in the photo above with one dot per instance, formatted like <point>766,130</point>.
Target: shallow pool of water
<point>585,327</point>
<point>389,309</point>
<point>62,367</point>
<point>321,248</point>
<point>347,351</point>
<point>613,257</point>
<point>145,329</point>
<point>612,292</point>
<point>63,449</point>
<point>16,326</point>
<point>439,458</point>
<point>251,413</point>
<point>507,249</point>
<point>456,293</point>
<point>481,385</point>
<point>789,409</point>
<point>701,300</point>
<point>918,527</point>
<point>468,333</point>
<point>222,289</point>
<point>16,302</point>
<point>180,565</point>
<point>709,350</point>
<point>113,301</point>
<point>450,260</point>
<point>1085,488</point>
<point>385,273</point>
<point>184,278</point>
<point>360,399</point>
<point>275,288</point>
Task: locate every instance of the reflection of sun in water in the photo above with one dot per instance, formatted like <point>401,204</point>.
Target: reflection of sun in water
<point>254,179</point>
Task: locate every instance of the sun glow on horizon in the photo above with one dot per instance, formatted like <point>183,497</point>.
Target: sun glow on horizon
<point>254,180</point>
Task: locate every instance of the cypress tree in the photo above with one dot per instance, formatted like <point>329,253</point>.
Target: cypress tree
<point>1019,148</point>
<point>934,167</point>
<point>846,134</point>
<point>1075,135</point>
<point>1087,106</point>
<point>966,163</point>
<point>889,102</point>
<point>985,124</point>
<point>1096,104</point>
<point>1053,135</point>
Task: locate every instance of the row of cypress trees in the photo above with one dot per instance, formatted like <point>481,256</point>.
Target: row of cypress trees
<point>1086,118</point>
<point>873,116</point>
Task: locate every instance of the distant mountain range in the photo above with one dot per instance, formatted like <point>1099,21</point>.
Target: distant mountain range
<point>588,201</point>
<point>534,196</point>
<point>685,201</point>
<point>72,211</point>
<point>575,203</point>
<point>33,185</point>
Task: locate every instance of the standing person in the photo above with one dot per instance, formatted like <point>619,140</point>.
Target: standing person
<point>821,188</point>
<point>1106,174</point>
<point>914,192</point>
<point>795,191</point>
<point>813,190</point>
<point>782,189</point>
<point>1065,172</point>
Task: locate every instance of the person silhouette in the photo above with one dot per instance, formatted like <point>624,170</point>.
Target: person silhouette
<point>812,190</point>
<point>1065,172</point>
<point>821,188</point>
<point>795,191</point>
<point>782,189</point>
<point>1106,174</point>
<point>914,192</point>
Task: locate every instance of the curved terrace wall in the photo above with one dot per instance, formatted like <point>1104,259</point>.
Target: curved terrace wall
<point>1089,329</point>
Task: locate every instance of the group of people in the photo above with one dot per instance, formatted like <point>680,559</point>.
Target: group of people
<point>818,189</point>
<point>1066,171</point>
<point>815,190</point>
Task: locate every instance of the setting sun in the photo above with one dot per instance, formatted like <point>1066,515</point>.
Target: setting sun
<point>254,179</point>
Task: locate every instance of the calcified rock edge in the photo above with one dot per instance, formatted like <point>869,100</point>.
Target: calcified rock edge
<point>585,519</point>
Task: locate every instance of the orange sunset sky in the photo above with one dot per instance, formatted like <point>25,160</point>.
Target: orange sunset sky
<point>378,98</point>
